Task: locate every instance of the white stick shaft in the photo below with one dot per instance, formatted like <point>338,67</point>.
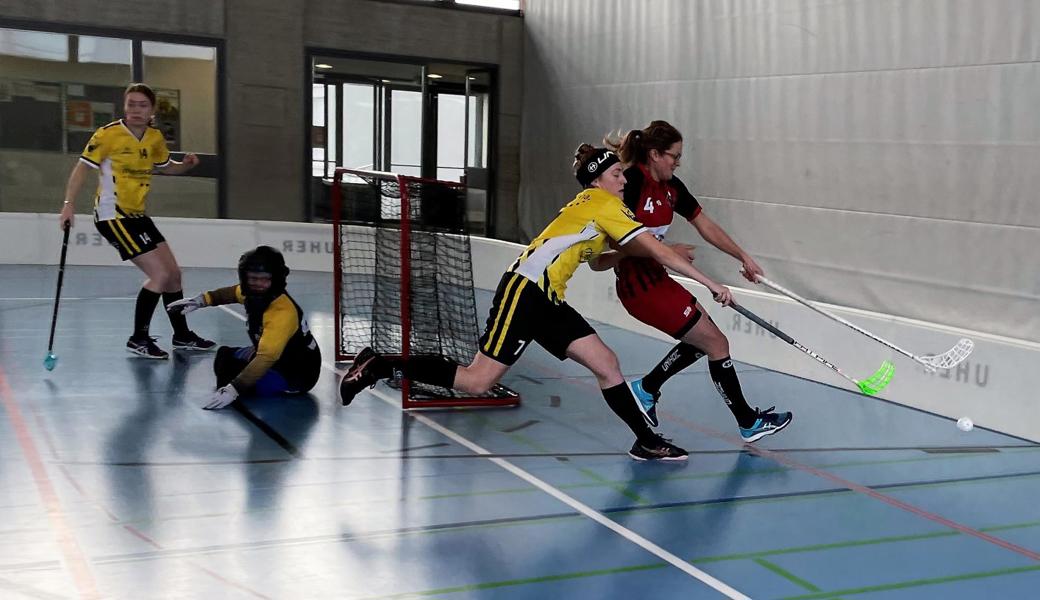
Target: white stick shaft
<point>799,299</point>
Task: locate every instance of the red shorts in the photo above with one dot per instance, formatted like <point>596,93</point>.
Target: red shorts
<point>665,305</point>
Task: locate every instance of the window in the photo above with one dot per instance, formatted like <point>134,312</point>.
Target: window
<point>56,89</point>
<point>421,119</point>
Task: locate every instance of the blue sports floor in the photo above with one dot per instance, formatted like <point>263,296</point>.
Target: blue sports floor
<point>115,484</point>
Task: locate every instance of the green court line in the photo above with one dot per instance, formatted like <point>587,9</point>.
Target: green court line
<point>511,582</point>
<point>828,546</point>
<point>916,583</point>
<point>622,488</point>
<point>756,557</point>
<point>718,474</point>
<point>787,575</point>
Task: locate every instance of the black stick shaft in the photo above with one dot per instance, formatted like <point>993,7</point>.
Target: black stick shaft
<point>57,293</point>
<point>762,323</point>
<point>790,340</point>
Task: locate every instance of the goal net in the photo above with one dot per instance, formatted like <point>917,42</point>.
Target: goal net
<point>404,277</point>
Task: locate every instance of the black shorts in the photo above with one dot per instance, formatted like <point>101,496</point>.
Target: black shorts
<point>132,236</point>
<point>521,313</point>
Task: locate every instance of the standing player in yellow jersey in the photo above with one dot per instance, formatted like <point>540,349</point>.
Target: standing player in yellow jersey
<point>126,153</point>
<point>529,305</point>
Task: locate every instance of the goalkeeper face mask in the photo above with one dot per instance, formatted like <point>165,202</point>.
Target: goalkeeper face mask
<point>258,266</point>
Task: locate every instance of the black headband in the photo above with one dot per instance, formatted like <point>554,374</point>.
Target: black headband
<point>595,166</point>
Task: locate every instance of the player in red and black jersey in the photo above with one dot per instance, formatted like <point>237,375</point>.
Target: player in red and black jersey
<point>655,195</point>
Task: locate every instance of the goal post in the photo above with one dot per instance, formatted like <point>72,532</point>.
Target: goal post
<point>403,277</point>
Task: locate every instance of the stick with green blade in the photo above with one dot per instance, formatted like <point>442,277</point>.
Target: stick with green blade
<point>869,386</point>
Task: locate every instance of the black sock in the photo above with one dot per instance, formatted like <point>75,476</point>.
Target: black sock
<point>620,400</point>
<point>147,300</point>
<point>677,359</point>
<point>180,324</point>
<point>433,370</point>
<point>726,382</point>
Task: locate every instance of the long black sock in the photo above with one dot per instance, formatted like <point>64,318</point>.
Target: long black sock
<point>726,382</point>
<point>434,370</point>
<point>180,324</point>
<point>147,300</point>
<point>677,359</point>
<point>620,400</point>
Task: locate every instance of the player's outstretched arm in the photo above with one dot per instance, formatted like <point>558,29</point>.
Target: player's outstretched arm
<point>715,235</point>
<point>187,305</point>
<point>645,244</point>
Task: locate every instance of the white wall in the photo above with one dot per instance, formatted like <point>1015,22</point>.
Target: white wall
<point>880,154</point>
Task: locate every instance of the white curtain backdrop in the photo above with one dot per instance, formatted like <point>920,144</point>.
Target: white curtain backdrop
<point>879,154</point>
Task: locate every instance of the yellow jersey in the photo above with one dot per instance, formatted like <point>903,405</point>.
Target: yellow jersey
<point>283,342</point>
<point>575,236</point>
<point>125,165</point>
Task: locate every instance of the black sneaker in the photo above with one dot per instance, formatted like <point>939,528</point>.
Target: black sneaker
<point>766,423</point>
<point>657,448</point>
<point>146,347</point>
<point>192,342</point>
<point>359,376</point>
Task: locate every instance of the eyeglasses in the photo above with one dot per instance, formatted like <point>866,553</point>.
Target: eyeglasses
<point>675,157</point>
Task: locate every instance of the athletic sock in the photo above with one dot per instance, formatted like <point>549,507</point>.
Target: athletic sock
<point>147,300</point>
<point>620,400</point>
<point>726,382</point>
<point>677,359</point>
<point>432,370</point>
<point>180,324</point>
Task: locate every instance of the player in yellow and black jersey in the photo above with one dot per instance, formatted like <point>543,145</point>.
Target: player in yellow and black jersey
<point>284,357</point>
<point>125,153</point>
<point>529,305</point>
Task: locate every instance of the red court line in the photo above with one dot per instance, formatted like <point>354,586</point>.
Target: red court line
<point>75,560</point>
<point>138,534</point>
<point>45,433</point>
<point>855,487</point>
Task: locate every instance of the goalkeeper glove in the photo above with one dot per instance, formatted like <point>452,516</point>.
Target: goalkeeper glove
<point>186,305</point>
<point>222,397</point>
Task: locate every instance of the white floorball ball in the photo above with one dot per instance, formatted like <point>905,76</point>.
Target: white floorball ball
<point>965,424</point>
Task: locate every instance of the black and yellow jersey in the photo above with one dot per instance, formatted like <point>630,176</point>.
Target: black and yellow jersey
<point>125,165</point>
<point>284,341</point>
<point>576,235</point>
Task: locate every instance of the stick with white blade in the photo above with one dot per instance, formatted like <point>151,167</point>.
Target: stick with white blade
<point>946,360</point>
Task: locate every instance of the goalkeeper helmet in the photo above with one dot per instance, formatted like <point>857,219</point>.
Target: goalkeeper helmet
<point>267,260</point>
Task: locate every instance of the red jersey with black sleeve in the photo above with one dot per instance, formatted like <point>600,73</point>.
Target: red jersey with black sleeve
<point>653,203</point>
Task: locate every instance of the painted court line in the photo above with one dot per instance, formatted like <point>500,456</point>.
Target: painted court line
<point>585,510</point>
<point>592,514</point>
<point>75,560</point>
<point>862,489</point>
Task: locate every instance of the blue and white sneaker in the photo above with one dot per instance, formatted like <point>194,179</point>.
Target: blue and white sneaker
<point>646,402</point>
<point>767,423</point>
